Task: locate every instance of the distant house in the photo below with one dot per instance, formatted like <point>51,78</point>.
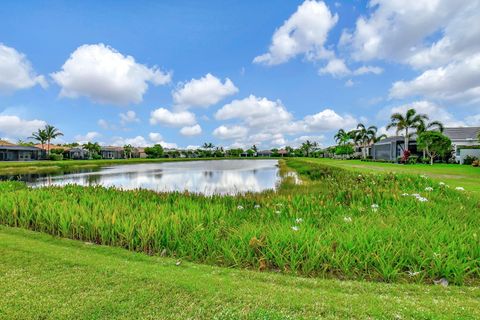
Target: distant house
<point>11,152</point>
<point>51,147</point>
<point>389,149</point>
<point>112,152</point>
<point>77,154</point>
<point>282,152</point>
<point>463,139</point>
<point>264,153</point>
<point>139,153</point>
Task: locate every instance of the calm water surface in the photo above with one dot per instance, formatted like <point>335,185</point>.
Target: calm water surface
<point>207,177</point>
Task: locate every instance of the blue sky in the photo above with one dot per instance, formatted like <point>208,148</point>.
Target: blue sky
<point>235,73</point>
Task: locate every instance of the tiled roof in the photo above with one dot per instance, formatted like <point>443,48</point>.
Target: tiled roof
<point>462,133</point>
<point>5,143</point>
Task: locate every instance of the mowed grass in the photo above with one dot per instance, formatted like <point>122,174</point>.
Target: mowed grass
<point>453,174</point>
<point>337,224</point>
<point>43,277</point>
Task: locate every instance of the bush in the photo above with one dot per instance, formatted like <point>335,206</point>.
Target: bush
<point>469,160</point>
<point>412,160</point>
<point>56,157</point>
<point>96,157</point>
<point>476,163</point>
<point>425,160</point>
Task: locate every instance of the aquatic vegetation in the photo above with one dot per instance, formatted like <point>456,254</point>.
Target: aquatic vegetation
<point>335,224</point>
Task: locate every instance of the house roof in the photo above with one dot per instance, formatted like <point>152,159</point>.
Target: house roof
<point>52,147</point>
<point>390,139</point>
<point>5,143</point>
<point>265,152</point>
<point>19,148</point>
<point>462,133</point>
<point>111,149</point>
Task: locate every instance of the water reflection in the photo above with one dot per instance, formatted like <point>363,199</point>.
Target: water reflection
<point>207,177</point>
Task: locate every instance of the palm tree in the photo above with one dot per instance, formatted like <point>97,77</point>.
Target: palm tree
<point>40,136</point>
<point>407,123</point>
<point>51,133</point>
<point>364,136</point>
<point>307,146</point>
<point>342,137</point>
<point>127,150</point>
<point>92,148</point>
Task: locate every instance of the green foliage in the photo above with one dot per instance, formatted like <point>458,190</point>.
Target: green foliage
<point>412,160</point>
<point>57,151</point>
<point>93,150</point>
<point>337,232</point>
<point>434,143</point>
<point>55,157</point>
<point>154,152</point>
<point>344,150</point>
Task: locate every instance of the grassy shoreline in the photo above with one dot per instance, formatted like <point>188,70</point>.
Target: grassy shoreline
<point>44,277</point>
<point>326,227</point>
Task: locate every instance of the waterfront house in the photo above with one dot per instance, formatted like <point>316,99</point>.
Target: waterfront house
<point>465,142</point>
<point>112,152</point>
<point>264,153</point>
<point>12,152</point>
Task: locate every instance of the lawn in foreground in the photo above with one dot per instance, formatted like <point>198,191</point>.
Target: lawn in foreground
<point>453,174</point>
<point>43,277</point>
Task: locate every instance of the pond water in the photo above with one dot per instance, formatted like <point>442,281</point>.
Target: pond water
<point>206,177</point>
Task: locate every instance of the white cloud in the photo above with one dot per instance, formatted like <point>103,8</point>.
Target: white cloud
<point>128,117</point>
<point>155,136</point>
<point>473,120</point>
<point>191,130</point>
<point>391,32</point>
<point>349,83</point>
<point>89,137</point>
<point>299,140</point>
<point>432,110</point>
<point>255,111</point>
<point>305,32</point>
<point>230,132</point>
<point>367,69</point>
<point>16,71</point>
<point>173,119</point>
<point>103,124</point>
<point>14,127</point>
<point>456,81</point>
<point>267,123</point>
<point>329,120</point>
<point>336,68</point>
<point>104,75</point>
<point>203,92</point>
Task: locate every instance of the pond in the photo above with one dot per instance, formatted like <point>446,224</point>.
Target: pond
<point>206,177</point>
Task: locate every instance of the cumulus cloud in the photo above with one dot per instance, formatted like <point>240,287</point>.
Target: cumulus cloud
<point>155,136</point>
<point>456,81</point>
<point>16,71</point>
<point>128,117</point>
<point>433,110</point>
<point>88,137</point>
<point>305,32</point>
<point>267,123</point>
<point>191,130</point>
<point>106,76</point>
<point>203,92</point>
<point>328,120</point>
<point>173,119</point>
<point>473,120</point>
<point>138,141</point>
<point>336,68</point>
<point>14,127</point>
<point>230,132</point>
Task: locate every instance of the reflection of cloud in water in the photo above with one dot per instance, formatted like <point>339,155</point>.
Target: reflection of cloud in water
<point>207,177</point>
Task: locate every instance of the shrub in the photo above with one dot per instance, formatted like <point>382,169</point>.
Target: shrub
<point>425,160</point>
<point>56,157</point>
<point>469,160</point>
<point>96,156</point>
<point>412,160</point>
<point>476,163</point>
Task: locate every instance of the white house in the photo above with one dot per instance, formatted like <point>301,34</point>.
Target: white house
<point>463,139</point>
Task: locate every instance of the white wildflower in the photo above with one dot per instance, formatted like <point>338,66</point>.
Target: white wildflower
<point>278,212</point>
<point>441,183</point>
<point>413,274</point>
<point>347,219</point>
<point>422,199</point>
<point>428,189</point>
<point>374,207</point>
<point>240,207</point>
<point>299,220</point>
<point>460,189</point>
<point>257,206</point>
<point>404,194</point>
<point>295,228</point>
<point>416,195</point>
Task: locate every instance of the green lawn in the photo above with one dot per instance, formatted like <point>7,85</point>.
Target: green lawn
<point>43,277</point>
<point>453,174</point>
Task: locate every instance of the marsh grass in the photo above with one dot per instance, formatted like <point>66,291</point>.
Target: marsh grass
<point>337,223</point>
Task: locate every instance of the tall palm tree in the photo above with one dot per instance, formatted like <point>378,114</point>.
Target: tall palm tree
<point>342,137</point>
<point>51,133</point>
<point>92,148</point>
<point>127,150</point>
<point>407,123</point>
<point>307,146</point>
<point>40,136</point>
<point>363,136</point>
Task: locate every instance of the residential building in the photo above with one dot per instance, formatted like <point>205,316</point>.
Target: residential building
<point>464,139</point>
<point>11,152</point>
<point>112,152</point>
